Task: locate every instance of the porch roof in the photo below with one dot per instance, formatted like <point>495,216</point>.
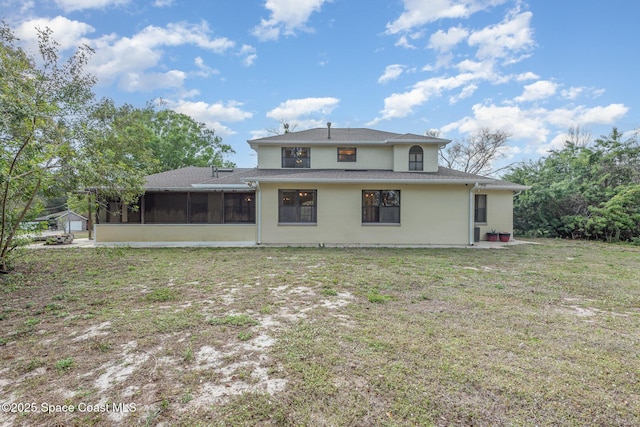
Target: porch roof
<point>192,178</point>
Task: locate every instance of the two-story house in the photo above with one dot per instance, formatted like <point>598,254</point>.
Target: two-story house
<point>324,186</point>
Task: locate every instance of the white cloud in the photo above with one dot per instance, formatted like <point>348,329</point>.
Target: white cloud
<point>391,72</point>
<point>69,33</point>
<point>533,126</point>
<point>574,92</point>
<point>163,3</point>
<point>293,109</point>
<point>147,82</point>
<point>127,57</point>
<point>213,114</point>
<point>399,105</point>
<point>205,70</point>
<point>419,12</point>
<point>538,90</point>
<point>466,92</point>
<point>404,42</point>
<point>513,35</point>
<point>527,76</point>
<point>602,115</point>
<point>287,17</point>
<point>72,5</point>
<point>249,54</point>
<point>445,41</point>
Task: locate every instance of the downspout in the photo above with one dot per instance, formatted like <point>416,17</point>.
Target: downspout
<point>471,222</point>
<point>258,213</point>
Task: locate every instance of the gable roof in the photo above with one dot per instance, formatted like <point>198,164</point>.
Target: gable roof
<point>205,179</point>
<point>356,136</point>
<point>58,215</point>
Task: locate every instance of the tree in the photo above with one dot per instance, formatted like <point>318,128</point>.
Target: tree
<point>113,157</point>
<point>476,154</point>
<point>178,140</point>
<point>283,128</point>
<point>584,190</point>
<point>56,139</point>
<point>578,136</point>
<point>41,107</point>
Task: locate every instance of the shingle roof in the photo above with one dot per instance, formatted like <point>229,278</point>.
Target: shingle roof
<point>186,178</point>
<point>192,178</point>
<point>57,215</point>
<point>350,135</point>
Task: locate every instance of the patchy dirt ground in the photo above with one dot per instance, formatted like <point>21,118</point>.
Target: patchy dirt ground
<point>541,335</point>
<point>128,352</point>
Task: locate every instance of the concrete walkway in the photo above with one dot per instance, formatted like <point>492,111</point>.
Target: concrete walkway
<point>86,243</point>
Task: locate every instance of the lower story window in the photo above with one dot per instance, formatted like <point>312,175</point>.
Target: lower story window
<point>239,208</point>
<point>381,206</point>
<point>480,208</point>
<point>297,206</point>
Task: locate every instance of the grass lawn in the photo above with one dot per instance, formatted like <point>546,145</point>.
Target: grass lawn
<point>542,335</point>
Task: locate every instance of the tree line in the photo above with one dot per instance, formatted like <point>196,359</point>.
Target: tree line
<point>57,138</point>
<point>586,190</point>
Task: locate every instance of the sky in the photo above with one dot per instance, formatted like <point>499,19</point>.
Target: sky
<point>530,68</point>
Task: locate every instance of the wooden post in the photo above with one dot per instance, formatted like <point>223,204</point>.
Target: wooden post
<point>90,216</point>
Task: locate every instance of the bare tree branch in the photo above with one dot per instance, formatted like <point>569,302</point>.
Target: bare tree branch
<point>477,153</point>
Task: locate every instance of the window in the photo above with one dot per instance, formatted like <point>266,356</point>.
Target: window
<point>381,206</point>
<point>297,206</point>
<point>415,158</point>
<point>296,157</point>
<point>480,208</point>
<point>239,208</point>
<point>346,154</point>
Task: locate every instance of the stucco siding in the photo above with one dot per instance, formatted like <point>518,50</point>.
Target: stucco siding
<point>401,157</point>
<point>367,157</point>
<point>499,212</point>
<point>174,233</point>
<point>428,215</point>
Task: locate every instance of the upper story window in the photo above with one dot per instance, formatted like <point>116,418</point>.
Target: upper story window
<point>346,154</point>
<point>296,157</point>
<point>415,158</point>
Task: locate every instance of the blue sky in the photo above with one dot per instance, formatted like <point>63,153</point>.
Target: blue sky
<point>532,69</point>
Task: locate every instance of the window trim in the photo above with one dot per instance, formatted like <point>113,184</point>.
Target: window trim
<point>298,207</point>
<point>345,158</point>
<point>415,164</point>
<point>376,211</point>
<point>299,161</point>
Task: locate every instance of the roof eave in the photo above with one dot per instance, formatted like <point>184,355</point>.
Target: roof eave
<point>200,187</point>
<point>368,180</point>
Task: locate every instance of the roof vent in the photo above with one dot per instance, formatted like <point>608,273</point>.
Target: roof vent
<point>328,130</point>
<point>214,171</point>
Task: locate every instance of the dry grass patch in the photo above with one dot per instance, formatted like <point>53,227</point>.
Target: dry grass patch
<point>531,335</point>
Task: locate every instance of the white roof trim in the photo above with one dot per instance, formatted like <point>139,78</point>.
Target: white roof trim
<point>223,186</point>
<point>370,180</point>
